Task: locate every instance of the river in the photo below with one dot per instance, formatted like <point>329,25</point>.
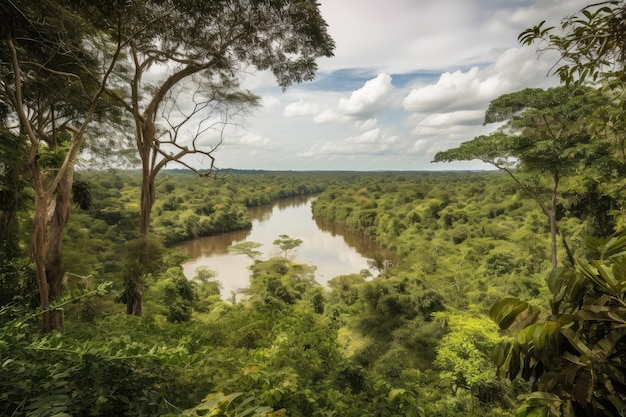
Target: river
<point>334,250</point>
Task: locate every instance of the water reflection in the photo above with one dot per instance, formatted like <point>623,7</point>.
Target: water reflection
<point>332,249</point>
<point>363,244</point>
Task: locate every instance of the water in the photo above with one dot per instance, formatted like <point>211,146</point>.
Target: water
<point>332,249</point>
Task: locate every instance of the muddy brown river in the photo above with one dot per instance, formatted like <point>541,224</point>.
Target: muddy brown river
<point>334,250</point>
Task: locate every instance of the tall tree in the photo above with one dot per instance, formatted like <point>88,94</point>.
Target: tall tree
<point>12,152</point>
<point>592,50</point>
<point>202,49</point>
<point>13,198</point>
<point>51,78</point>
<point>545,132</point>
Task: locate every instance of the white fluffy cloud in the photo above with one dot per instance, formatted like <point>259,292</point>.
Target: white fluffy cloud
<point>301,108</point>
<point>409,78</point>
<point>329,116</point>
<point>457,118</point>
<point>399,36</point>
<point>367,100</point>
<point>365,124</point>
<point>451,110</point>
<point>358,108</point>
<point>474,89</point>
<point>269,102</point>
<point>371,142</point>
<point>251,139</point>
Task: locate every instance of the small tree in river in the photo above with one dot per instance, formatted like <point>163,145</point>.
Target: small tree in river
<point>287,244</point>
<point>248,249</point>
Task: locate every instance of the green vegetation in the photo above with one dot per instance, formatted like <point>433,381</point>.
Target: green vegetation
<point>417,340</point>
<point>73,71</point>
<point>547,141</point>
<point>476,290</point>
<point>471,237</point>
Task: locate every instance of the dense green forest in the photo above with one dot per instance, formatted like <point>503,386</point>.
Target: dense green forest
<point>417,340</point>
<point>504,292</point>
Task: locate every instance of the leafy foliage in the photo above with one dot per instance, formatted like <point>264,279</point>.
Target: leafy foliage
<point>591,44</point>
<point>143,260</point>
<point>413,341</point>
<point>546,142</point>
<point>220,404</point>
<point>287,244</point>
<point>575,353</point>
<point>248,249</point>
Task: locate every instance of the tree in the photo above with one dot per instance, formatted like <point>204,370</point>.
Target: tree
<point>591,43</point>
<point>287,244</point>
<point>248,249</point>
<point>545,133</point>
<point>574,353</point>
<point>144,260</point>
<point>12,151</point>
<point>592,50</point>
<point>53,76</point>
<point>13,200</point>
<point>204,49</point>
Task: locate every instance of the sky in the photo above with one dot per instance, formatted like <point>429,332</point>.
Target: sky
<point>409,78</point>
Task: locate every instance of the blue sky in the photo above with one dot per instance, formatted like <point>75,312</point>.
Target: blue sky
<point>409,78</point>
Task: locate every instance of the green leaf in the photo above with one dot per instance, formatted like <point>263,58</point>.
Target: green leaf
<point>554,280</point>
<point>502,352</point>
<point>583,387</point>
<point>576,342</point>
<point>536,412</point>
<point>506,310</point>
<point>394,393</point>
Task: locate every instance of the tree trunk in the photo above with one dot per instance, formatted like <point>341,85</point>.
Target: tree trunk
<point>554,303</point>
<point>47,243</point>
<point>553,225</point>
<point>134,305</point>
<point>148,196</point>
<point>134,285</point>
<point>60,214</point>
<point>38,249</point>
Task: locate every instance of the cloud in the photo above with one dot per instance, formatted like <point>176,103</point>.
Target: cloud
<point>329,116</point>
<point>531,14</point>
<point>365,124</point>
<point>301,108</point>
<point>367,100</point>
<point>374,136</point>
<point>451,110</point>
<point>419,146</point>
<point>371,142</point>
<point>252,139</point>
<point>375,96</point>
<point>462,117</point>
<point>475,88</point>
<point>269,102</point>
<point>409,78</point>
<point>400,36</point>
